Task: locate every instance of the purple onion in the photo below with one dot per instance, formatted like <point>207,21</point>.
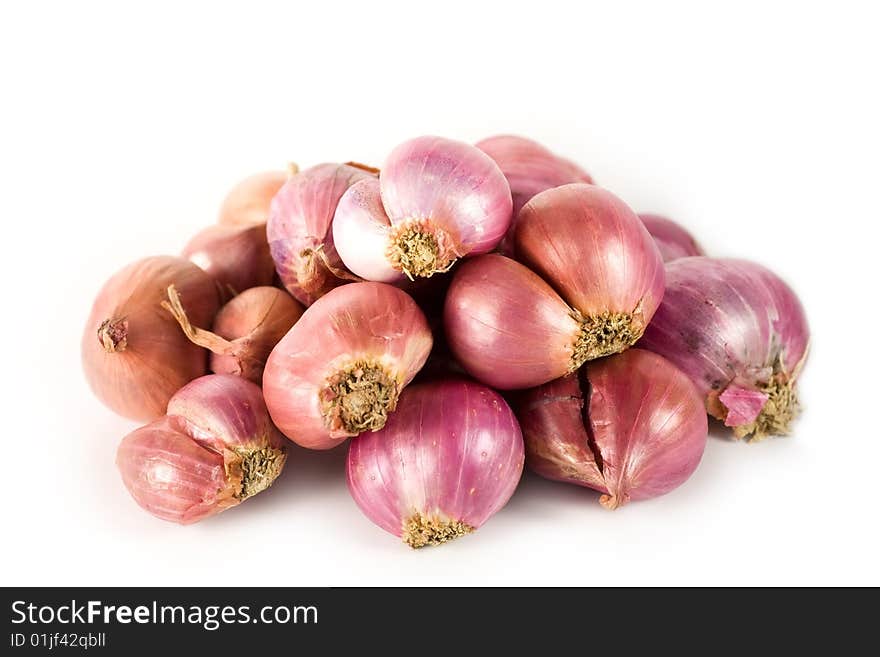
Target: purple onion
<point>673,241</point>
<point>740,334</point>
<point>449,457</point>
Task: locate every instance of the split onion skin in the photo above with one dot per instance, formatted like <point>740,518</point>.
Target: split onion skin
<point>300,233</point>
<point>360,326</point>
<point>237,257</point>
<point>740,333</point>
<point>215,447</point>
<point>672,240</point>
<point>134,355</point>
<point>593,250</point>
<point>247,203</point>
<point>506,326</point>
<point>530,168</point>
<point>448,459</point>
<point>631,426</point>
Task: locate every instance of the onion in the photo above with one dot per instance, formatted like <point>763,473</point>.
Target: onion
<point>245,330</point>
<point>299,233</point>
<point>436,200</point>
<point>508,328</point>
<point>341,367</point>
<point>247,204</point>
<point>592,249</point>
<point>530,168</point>
<point>448,459</point>
<point>236,257</point>
<point>673,241</point>
<point>133,353</point>
<point>215,448</point>
<point>740,334</point>
<point>631,426</point>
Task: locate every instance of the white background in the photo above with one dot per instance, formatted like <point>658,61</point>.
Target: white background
<point>756,125</point>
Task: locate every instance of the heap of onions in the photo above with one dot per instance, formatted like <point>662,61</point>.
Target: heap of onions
<point>740,334</point>
<point>406,299</point>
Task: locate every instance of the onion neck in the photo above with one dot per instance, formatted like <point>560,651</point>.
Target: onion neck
<point>419,530</point>
<point>358,398</point>
<point>420,249</point>
<point>603,335</point>
<point>113,335</point>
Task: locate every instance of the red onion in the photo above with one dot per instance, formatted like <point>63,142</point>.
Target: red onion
<point>133,353</point>
<point>236,257</point>
<point>593,250</point>
<point>247,203</point>
<point>530,168</point>
<point>299,233</point>
<point>508,328</point>
<point>740,334</point>
<point>436,200</point>
<point>631,426</point>
<point>673,241</point>
<point>448,459</point>
<point>215,448</point>
<point>341,367</point>
<point>245,330</point>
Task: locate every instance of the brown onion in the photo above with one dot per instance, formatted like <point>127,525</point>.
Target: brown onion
<point>134,354</point>
<point>245,330</point>
<point>237,257</point>
<point>247,203</point>
<point>592,249</point>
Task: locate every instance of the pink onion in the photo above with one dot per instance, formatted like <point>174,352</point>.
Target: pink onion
<point>245,330</point>
<point>740,334</point>
<point>299,233</point>
<point>508,328</point>
<point>673,241</point>
<point>133,352</point>
<point>215,448</point>
<point>448,459</point>
<point>341,367</point>
<point>631,426</point>
<point>247,204</point>
<point>592,249</point>
<point>436,200</point>
<point>530,168</point>
<point>236,257</point>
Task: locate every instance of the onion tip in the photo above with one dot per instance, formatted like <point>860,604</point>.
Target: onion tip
<point>113,335</point>
<point>358,398</point>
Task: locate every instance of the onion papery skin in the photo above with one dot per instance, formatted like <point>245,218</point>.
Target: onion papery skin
<point>507,327</point>
<point>631,426</point>
<point>255,320</point>
<point>740,333</point>
<point>449,458</point>
<point>341,367</point>
<point>672,239</point>
<point>596,253</point>
<point>247,204</point>
<point>237,257</point>
<point>134,355</point>
<point>437,200</point>
<point>530,168</point>
<point>215,448</point>
<point>300,234</point>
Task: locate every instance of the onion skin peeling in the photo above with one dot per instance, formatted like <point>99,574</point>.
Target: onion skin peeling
<point>215,448</point>
<point>340,369</point>
<point>448,459</point>
<point>631,426</point>
<point>740,333</point>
